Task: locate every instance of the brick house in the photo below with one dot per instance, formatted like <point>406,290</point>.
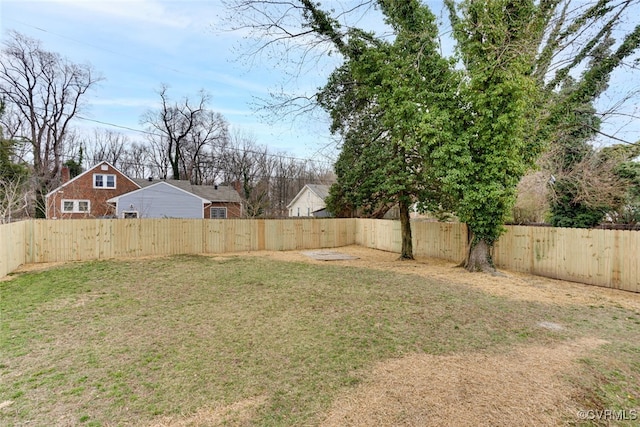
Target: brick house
<point>104,191</point>
<point>86,195</point>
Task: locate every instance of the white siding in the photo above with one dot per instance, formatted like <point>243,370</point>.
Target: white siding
<point>306,204</point>
<point>161,201</point>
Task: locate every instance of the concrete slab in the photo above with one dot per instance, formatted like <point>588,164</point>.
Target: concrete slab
<point>323,255</point>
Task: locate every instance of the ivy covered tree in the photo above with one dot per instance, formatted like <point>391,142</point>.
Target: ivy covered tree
<point>532,72</point>
<point>571,122</point>
<point>481,151</point>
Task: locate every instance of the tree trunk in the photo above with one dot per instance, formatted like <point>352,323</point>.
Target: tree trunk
<point>479,256</point>
<point>405,226</point>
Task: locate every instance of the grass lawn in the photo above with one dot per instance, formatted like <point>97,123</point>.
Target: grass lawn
<point>131,342</point>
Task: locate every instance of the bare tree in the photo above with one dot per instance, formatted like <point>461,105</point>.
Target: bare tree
<point>247,166</point>
<point>106,145</point>
<point>596,180</point>
<point>182,133</point>
<point>285,183</point>
<point>15,197</point>
<point>45,92</point>
<point>137,161</point>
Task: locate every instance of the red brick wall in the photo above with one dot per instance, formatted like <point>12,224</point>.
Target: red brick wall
<point>81,188</point>
<point>233,209</point>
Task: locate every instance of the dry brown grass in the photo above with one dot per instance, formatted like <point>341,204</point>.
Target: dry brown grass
<point>525,386</point>
<point>240,412</point>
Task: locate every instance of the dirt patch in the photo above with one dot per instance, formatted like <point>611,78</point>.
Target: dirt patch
<point>523,387</point>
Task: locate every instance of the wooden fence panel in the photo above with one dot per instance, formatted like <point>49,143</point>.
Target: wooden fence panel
<point>597,257</point>
<point>430,239</point>
<point>439,240</point>
<point>515,252</point>
<point>626,265</point>
<point>379,234</point>
<point>13,240</point>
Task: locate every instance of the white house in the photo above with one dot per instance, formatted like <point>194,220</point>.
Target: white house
<point>309,201</point>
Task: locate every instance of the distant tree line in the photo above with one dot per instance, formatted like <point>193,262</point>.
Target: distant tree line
<point>42,94</point>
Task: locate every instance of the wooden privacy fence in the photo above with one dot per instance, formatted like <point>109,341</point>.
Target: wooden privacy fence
<point>79,240</point>
<point>430,239</point>
<point>598,257</point>
<point>607,258</point>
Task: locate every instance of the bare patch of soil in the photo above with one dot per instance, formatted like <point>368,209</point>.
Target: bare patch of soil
<point>27,268</point>
<point>523,387</point>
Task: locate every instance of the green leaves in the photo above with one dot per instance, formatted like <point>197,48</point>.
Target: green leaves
<point>483,153</point>
<point>377,100</point>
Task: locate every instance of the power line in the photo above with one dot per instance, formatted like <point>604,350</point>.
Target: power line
<point>115,125</point>
<point>113,52</point>
<point>238,149</point>
<point>145,132</point>
<point>157,135</point>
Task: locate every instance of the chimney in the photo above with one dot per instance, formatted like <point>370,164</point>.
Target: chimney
<point>65,174</point>
<point>237,186</point>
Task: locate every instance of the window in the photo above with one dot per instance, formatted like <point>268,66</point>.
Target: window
<point>76,206</point>
<point>129,214</point>
<point>104,181</point>
<point>218,213</point>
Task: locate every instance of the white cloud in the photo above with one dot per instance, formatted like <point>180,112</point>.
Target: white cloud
<point>124,102</point>
<point>143,11</point>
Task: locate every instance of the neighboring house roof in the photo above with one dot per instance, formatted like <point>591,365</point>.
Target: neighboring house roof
<point>322,213</point>
<point>85,173</point>
<point>210,193</point>
<point>322,191</point>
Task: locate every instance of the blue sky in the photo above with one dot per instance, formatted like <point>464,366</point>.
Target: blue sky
<point>137,45</point>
